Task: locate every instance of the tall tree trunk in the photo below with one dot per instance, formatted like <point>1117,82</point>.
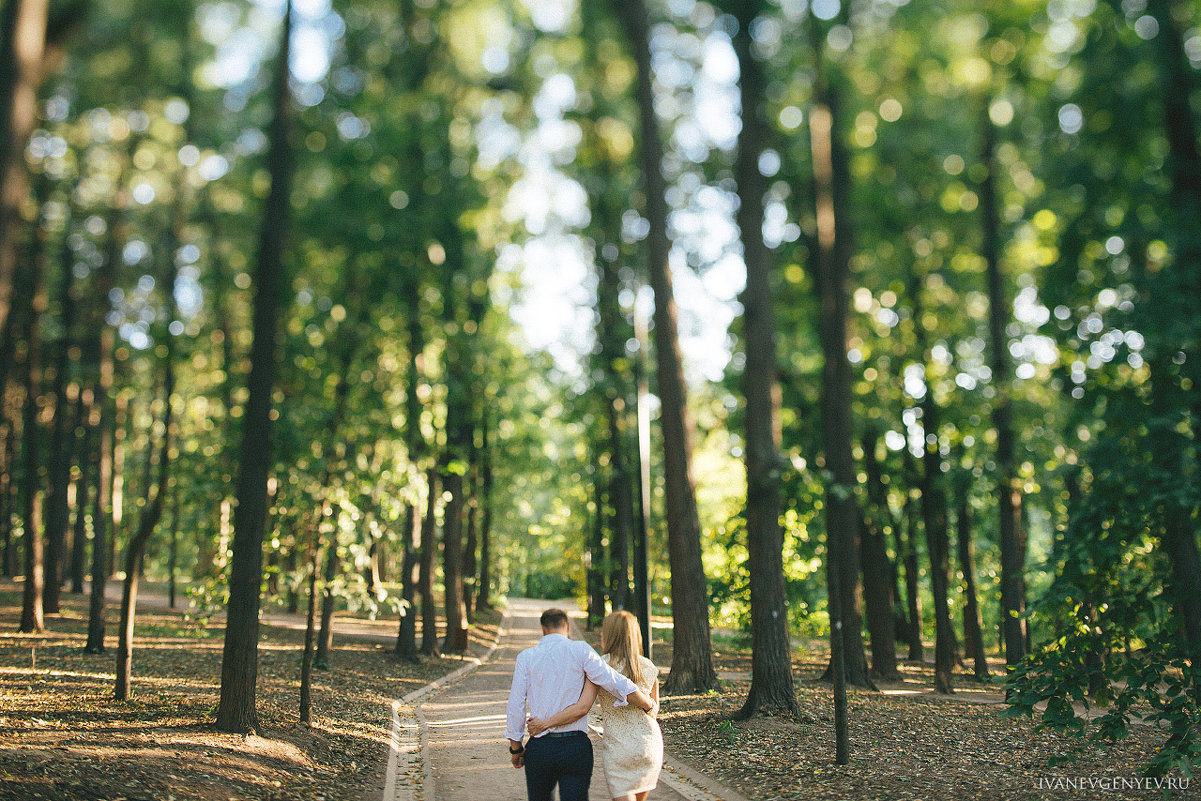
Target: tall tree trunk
<point>835,246</point>
<point>692,661</point>
<point>22,51</point>
<point>325,638</point>
<point>913,595</point>
<point>471,542</point>
<point>973,630</point>
<point>173,549</point>
<point>239,666</point>
<point>455,641</point>
<point>429,547</point>
<point>102,509</point>
<point>86,449</point>
<point>621,506</point>
<point>1008,485</point>
<point>596,554</point>
<point>32,612</point>
<point>406,638</point>
<point>1179,538</point>
<point>8,443</point>
<point>934,510</point>
<point>771,689</point>
<point>483,597</point>
<point>878,584</point>
<point>310,625</point>
<point>152,513</point>
<point>58,510</point>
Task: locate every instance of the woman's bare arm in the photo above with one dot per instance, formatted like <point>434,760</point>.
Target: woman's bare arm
<point>568,715</point>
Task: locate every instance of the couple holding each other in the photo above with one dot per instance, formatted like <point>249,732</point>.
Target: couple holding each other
<point>560,679</point>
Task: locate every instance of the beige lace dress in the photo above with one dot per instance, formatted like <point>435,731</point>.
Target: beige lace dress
<point>632,745</point>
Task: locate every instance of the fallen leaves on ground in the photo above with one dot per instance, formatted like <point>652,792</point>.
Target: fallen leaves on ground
<point>62,736</point>
<point>907,746</point>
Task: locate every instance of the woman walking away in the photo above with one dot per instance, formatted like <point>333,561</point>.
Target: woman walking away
<point>632,745</point>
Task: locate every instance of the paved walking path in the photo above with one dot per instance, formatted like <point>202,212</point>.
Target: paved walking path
<point>459,734</point>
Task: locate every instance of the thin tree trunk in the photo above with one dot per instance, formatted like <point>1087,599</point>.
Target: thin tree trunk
<point>406,638</point>
<point>173,549</point>
<point>471,543</point>
<point>692,661</point>
<point>8,558</point>
<point>429,546</point>
<point>771,690</point>
<point>85,448</point>
<point>32,612</point>
<point>912,590</point>
<point>878,584</point>
<point>621,507</point>
<point>58,511</point>
<point>483,597</point>
<point>596,555</point>
<point>310,631</point>
<point>455,641</point>
<point>239,666</point>
<point>1008,486</point>
<point>155,497</point>
<point>834,248</point>
<point>102,510</point>
<point>123,417</point>
<point>973,633</point>
<point>325,638</point>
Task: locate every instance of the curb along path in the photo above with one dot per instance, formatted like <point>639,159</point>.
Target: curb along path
<point>448,737</point>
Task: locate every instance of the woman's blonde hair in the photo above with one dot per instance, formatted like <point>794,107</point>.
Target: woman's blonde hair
<point>622,640</point>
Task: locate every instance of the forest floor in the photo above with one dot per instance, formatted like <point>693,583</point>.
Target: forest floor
<point>906,743</point>
<point>63,737</point>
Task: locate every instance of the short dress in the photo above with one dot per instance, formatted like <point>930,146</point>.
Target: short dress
<point>632,746</point>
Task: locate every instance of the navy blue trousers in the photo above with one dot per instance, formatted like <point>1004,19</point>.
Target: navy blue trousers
<point>565,761</point>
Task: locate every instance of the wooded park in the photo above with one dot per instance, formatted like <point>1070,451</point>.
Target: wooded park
<point>852,345</point>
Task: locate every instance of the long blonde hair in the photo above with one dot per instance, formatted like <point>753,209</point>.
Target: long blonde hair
<point>621,639</point>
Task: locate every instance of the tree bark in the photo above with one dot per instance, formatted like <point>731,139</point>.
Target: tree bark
<point>973,629</point>
<point>406,637</point>
<point>596,555</point>
<point>771,689</point>
<point>621,508</point>
<point>878,584</point>
<point>85,449</point>
<point>429,546</point>
<point>32,611</point>
<point>835,246</point>
<point>155,496</point>
<point>239,666</point>
<point>471,542</point>
<point>1008,486</point>
<point>58,510</point>
<point>22,52</point>
<point>483,598</point>
<point>310,629</point>
<point>1179,538</point>
<point>913,595</point>
<point>692,661</point>
<point>455,641</point>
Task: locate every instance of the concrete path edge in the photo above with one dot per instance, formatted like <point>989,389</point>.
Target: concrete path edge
<point>409,776</point>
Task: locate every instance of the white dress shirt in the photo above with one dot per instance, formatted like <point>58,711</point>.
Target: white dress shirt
<point>550,677</point>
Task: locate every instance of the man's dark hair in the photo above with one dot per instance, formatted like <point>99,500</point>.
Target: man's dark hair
<point>553,619</point>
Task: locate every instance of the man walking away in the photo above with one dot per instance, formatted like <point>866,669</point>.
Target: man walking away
<point>549,677</point>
